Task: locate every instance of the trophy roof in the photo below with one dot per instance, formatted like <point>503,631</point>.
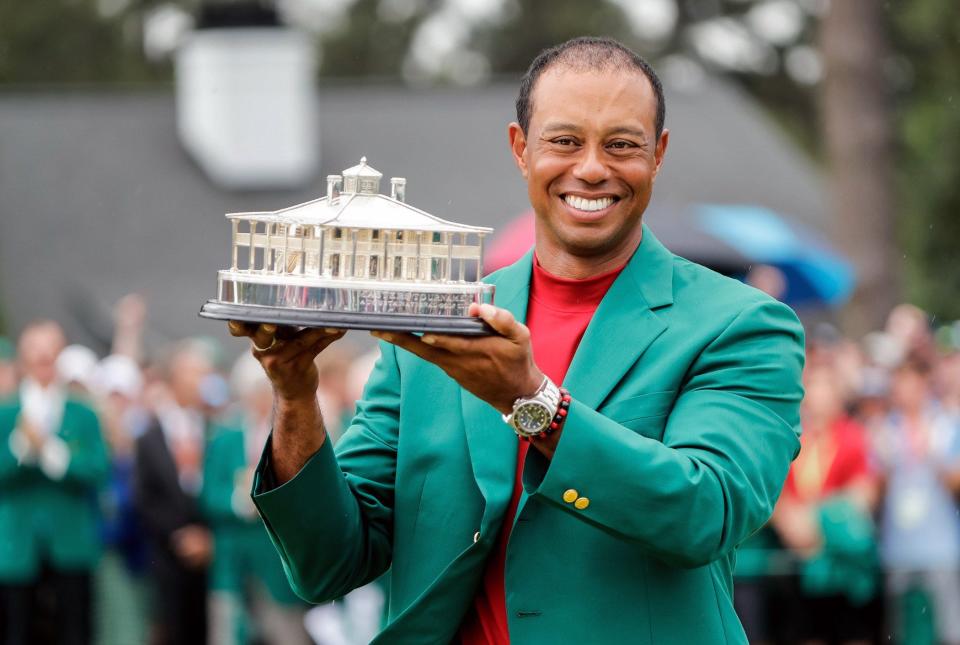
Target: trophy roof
<point>361,210</point>
<point>360,205</point>
<point>362,170</point>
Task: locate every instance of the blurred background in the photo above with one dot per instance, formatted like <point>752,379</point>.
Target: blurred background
<point>814,153</point>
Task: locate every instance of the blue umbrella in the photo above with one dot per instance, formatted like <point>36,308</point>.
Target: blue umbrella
<point>815,272</point>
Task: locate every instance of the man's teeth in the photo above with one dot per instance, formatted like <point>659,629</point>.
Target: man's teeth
<point>583,204</point>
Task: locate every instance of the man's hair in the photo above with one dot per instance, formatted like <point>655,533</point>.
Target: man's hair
<point>587,53</point>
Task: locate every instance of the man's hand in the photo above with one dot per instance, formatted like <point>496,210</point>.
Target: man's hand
<point>287,356</point>
<point>32,434</point>
<point>193,545</point>
<point>497,369</point>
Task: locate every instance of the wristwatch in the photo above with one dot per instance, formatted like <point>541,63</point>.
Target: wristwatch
<point>532,414</point>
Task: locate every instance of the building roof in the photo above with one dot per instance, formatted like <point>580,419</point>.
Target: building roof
<point>362,209</point>
<point>98,198</point>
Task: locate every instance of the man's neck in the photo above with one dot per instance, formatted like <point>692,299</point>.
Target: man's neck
<point>563,264</point>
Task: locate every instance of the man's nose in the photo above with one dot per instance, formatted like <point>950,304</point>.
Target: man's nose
<point>590,167</point>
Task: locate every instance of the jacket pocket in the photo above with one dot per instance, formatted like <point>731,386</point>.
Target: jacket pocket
<point>644,406</point>
<point>645,414</point>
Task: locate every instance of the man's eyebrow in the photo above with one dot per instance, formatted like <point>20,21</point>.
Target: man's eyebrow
<point>551,128</point>
<point>628,130</point>
<point>560,127</point>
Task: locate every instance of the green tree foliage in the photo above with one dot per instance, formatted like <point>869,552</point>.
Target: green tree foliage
<point>927,34</point>
<point>70,41</point>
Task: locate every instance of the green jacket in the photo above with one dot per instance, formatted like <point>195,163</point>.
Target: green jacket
<point>42,519</point>
<point>686,391</point>
<point>242,548</point>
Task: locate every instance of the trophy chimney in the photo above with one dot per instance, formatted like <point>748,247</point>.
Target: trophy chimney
<point>333,187</point>
<point>398,189</point>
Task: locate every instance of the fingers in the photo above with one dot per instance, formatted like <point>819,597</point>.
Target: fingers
<point>268,337</point>
<point>501,320</point>
<point>454,344</point>
<point>265,337</point>
<point>412,344</point>
<point>237,328</point>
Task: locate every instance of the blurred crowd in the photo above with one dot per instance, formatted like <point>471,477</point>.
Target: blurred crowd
<point>864,543</point>
<point>125,513</point>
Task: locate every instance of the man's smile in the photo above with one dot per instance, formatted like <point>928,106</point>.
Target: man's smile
<point>589,208</point>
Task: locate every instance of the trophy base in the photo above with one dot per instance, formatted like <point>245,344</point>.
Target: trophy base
<point>456,325</point>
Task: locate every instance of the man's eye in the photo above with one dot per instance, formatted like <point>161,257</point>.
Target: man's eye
<point>565,141</point>
<point>620,145</point>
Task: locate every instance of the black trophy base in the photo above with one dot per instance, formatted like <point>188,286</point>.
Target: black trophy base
<point>456,325</point>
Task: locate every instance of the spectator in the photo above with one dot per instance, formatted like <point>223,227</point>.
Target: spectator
<point>823,517</point>
<point>52,460</point>
<point>121,584</point>
<point>8,369</point>
<point>918,452</point>
<point>250,597</point>
<point>169,458</point>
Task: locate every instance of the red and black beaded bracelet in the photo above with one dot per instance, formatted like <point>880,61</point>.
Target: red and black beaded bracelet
<point>560,417</point>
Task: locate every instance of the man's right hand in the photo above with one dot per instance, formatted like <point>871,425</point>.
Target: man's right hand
<point>287,355</point>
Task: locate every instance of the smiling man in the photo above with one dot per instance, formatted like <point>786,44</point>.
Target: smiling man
<point>509,508</point>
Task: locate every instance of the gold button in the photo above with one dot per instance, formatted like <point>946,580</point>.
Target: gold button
<point>581,503</point>
<point>570,496</point>
<point>476,537</point>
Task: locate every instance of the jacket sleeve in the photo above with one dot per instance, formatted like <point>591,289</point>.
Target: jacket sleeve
<point>9,467</point>
<point>89,463</point>
<point>725,452</point>
<point>333,522</point>
<point>216,494</point>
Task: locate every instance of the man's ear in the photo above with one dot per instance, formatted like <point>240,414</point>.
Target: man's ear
<point>661,148</point>
<point>518,146</point>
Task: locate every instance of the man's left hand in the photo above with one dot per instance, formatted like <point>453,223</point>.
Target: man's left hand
<point>497,368</point>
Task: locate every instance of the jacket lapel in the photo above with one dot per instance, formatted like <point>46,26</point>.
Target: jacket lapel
<point>624,324</point>
<point>493,447</point>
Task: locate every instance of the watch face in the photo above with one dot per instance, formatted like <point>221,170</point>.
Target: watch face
<point>532,417</point>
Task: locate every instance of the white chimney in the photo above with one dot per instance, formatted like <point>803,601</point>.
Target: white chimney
<point>246,106</point>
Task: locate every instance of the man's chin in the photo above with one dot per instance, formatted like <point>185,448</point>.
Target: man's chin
<point>593,243</point>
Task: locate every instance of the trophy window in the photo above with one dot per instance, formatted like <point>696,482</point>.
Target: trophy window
<point>397,267</point>
<point>436,267</point>
<point>374,265</point>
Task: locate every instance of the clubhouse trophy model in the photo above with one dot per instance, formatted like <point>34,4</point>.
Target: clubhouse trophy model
<point>354,259</point>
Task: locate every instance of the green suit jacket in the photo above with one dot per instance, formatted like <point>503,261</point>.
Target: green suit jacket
<point>686,392</point>
<point>242,549</point>
<point>42,519</point>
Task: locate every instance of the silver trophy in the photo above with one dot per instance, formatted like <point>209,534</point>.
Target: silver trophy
<point>354,259</point>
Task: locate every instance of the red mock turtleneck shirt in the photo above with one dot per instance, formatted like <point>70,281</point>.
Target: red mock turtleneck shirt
<point>558,314</point>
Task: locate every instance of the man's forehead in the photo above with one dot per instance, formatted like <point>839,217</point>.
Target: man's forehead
<point>568,97</point>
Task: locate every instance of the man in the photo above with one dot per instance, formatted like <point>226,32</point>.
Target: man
<point>249,594</point>
<point>617,520</point>
<point>168,478</point>
<point>52,463</point>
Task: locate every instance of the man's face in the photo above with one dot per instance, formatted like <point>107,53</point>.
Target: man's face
<point>38,351</point>
<point>590,157</point>
<point>187,371</point>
